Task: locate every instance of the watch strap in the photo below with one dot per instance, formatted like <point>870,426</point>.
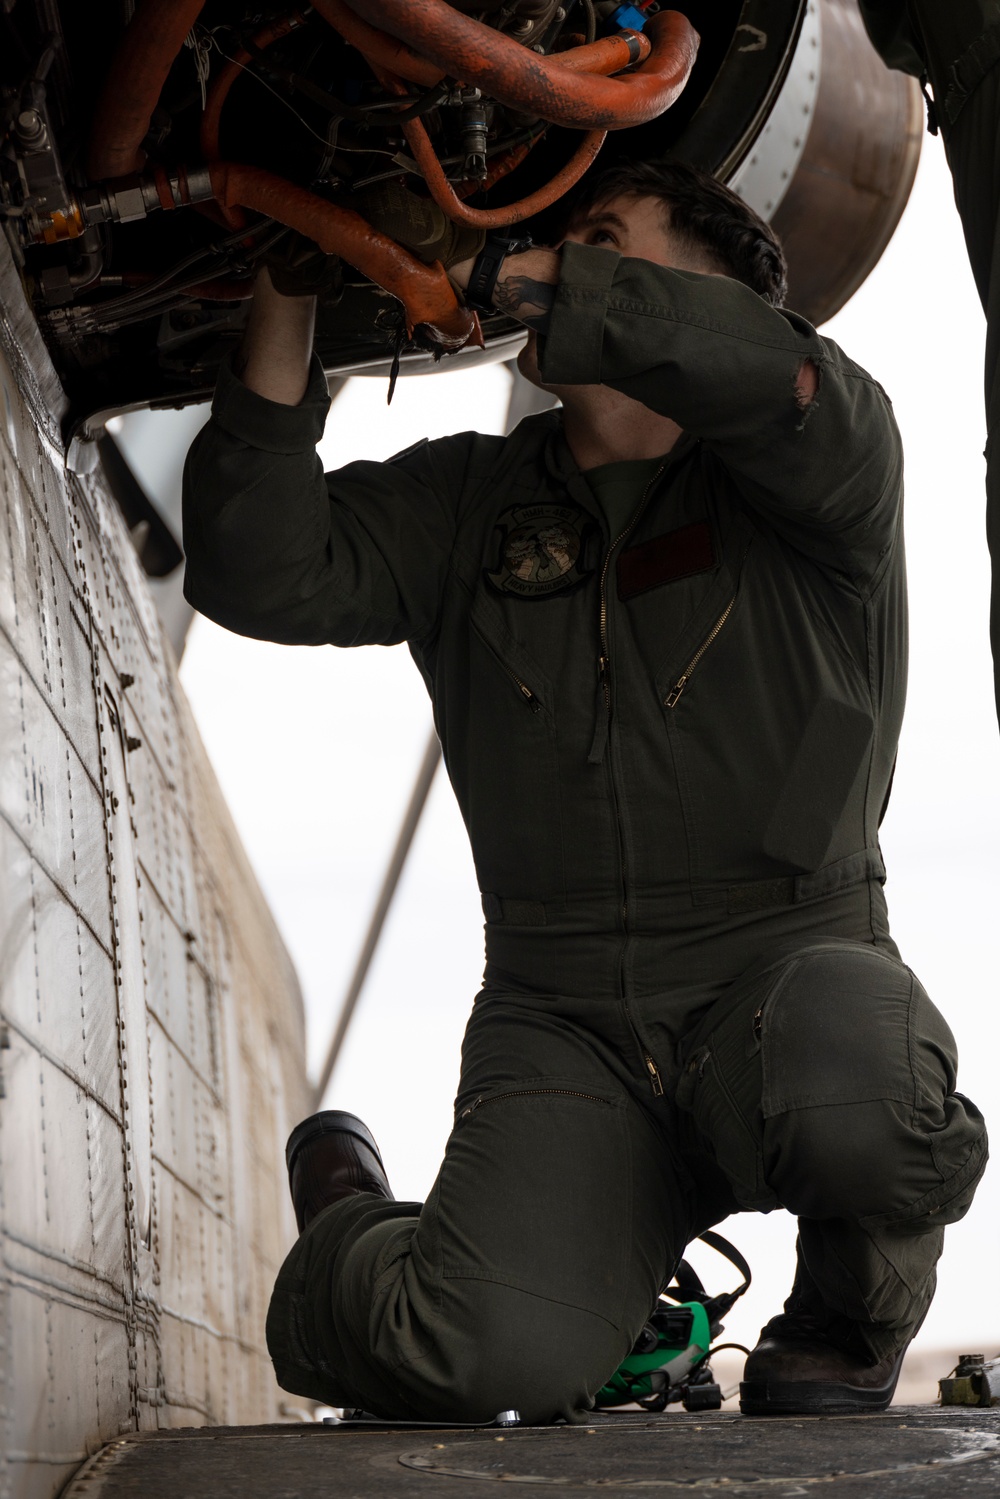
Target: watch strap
<point>486,268</point>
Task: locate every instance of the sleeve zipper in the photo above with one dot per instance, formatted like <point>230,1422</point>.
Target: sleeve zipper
<point>529,1093</point>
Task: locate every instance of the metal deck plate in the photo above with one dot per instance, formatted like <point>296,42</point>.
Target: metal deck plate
<point>917,1452</point>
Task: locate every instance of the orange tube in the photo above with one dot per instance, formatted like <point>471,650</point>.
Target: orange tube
<point>545,86</point>
<point>218,93</point>
<point>138,72</point>
<point>610,54</point>
<point>551,87</point>
<point>450,201</point>
<point>227,76</point>
<point>426,293</point>
<point>557,90</point>
<point>494,218</point>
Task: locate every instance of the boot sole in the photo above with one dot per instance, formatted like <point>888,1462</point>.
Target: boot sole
<point>328,1122</point>
<point>813,1397</point>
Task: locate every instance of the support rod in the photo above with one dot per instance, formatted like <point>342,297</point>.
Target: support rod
<point>408,828</point>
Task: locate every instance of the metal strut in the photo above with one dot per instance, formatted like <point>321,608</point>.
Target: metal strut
<point>408,828</point>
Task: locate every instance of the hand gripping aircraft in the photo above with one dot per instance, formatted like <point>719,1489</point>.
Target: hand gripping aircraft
<point>151,1032</point>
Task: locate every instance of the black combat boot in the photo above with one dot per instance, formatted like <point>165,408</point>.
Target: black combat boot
<point>331,1155</point>
<point>804,1366</point>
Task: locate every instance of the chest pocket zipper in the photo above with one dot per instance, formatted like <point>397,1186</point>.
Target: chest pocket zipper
<point>531,1093</point>
<point>527,695</point>
<point>673,696</point>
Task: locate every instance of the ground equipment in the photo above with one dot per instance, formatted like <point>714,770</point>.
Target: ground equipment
<point>670,1361</point>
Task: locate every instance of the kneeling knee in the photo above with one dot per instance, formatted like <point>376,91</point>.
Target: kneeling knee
<point>545,1367</point>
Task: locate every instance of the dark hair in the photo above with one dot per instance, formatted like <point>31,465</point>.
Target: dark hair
<point>703,213</point>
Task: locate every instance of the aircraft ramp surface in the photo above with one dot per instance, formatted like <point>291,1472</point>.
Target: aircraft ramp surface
<point>920,1452</point>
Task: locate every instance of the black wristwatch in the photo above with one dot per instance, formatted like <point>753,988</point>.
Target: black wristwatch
<point>486,268</point>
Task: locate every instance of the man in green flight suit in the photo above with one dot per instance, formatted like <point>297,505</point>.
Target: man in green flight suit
<point>954,46</point>
<point>664,632</point>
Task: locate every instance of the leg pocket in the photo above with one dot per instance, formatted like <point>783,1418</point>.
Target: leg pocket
<point>842,1031</point>
<point>720,1086</point>
<point>536,1194</point>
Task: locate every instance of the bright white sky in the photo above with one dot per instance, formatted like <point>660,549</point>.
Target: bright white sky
<point>316,751</point>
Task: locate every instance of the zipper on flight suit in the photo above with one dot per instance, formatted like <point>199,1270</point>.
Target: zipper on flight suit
<point>604,669</point>
<point>530,1093</point>
<point>671,699</point>
<point>673,696</point>
<point>522,687</point>
<point>524,690</point>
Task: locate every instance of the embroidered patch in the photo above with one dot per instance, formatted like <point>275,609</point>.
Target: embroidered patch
<point>540,550</point>
<point>664,559</point>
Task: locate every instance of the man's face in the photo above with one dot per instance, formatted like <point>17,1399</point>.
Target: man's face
<point>637,227</point>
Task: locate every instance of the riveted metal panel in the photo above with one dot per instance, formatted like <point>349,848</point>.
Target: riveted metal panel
<point>151,1034</point>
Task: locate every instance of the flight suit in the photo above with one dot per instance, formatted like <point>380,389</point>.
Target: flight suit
<point>955,44</point>
<point>668,698</point>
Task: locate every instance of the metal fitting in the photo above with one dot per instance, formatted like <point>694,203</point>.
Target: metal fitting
<point>29,129</point>
<point>135,198</point>
<point>474,130</point>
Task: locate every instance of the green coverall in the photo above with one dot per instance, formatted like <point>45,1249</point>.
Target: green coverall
<point>669,711</point>
<point>955,44</point>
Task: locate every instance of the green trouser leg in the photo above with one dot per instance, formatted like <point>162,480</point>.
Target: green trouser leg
<point>826,1081</point>
<point>822,1082</point>
<point>524,1280</point>
<point>959,41</point>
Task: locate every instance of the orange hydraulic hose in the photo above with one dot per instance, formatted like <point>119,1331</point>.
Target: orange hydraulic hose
<point>218,93</point>
<point>445,197</point>
<point>609,55</point>
<point>426,293</point>
<point>131,91</point>
<point>448,42</point>
<point>228,74</point>
<point>450,201</point>
<point>524,80</point>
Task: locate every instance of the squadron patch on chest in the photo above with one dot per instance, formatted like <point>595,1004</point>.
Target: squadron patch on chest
<point>540,550</point>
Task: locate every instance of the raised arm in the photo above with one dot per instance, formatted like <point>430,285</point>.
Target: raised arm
<point>273,359</point>
<point>280,551</point>
<point>806,434</point>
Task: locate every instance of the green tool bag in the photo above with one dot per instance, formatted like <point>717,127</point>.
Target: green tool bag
<point>670,1360</point>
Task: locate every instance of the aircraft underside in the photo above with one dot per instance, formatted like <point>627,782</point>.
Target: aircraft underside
<point>148,169</point>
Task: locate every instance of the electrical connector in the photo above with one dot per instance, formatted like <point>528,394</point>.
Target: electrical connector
<point>628,18</point>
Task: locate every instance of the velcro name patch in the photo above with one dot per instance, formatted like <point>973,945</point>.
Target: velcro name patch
<point>665,559</point>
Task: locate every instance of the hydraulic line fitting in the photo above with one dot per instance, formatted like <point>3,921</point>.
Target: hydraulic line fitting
<point>136,198</point>
<point>474,128</point>
<point>126,200</point>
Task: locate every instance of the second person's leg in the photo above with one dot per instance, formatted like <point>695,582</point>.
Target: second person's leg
<point>959,42</point>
